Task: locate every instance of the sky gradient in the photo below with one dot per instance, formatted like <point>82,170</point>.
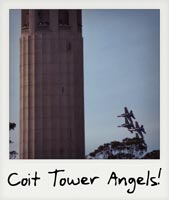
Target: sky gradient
<point>121,68</point>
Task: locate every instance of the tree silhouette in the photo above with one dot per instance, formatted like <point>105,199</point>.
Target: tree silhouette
<point>12,154</point>
<point>129,148</point>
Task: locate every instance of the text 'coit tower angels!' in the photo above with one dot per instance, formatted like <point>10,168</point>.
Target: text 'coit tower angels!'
<point>51,85</point>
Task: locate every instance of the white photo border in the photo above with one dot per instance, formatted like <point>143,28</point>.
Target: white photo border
<point>74,168</point>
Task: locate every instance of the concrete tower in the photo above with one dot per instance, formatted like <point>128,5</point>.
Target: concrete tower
<point>51,85</point>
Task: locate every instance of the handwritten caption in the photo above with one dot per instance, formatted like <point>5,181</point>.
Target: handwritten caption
<point>58,179</point>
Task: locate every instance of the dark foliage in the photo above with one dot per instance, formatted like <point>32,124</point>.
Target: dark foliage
<point>152,155</point>
<point>129,148</point>
<point>12,126</point>
<point>12,154</point>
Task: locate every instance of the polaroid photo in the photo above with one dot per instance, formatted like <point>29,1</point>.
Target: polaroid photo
<point>85,100</point>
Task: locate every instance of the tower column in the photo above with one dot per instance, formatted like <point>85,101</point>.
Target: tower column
<point>51,85</point>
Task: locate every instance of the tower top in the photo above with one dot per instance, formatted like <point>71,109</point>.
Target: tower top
<point>51,21</point>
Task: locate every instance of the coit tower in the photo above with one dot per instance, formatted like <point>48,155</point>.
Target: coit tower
<point>51,85</point>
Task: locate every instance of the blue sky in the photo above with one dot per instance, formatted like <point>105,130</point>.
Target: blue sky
<point>121,68</point>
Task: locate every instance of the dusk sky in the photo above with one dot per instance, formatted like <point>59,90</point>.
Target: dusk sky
<point>121,68</point>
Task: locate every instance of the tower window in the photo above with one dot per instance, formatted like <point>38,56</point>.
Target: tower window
<point>68,46</point>
<point>42,18</point>
<point>63,17</point>
<point>25,19</point>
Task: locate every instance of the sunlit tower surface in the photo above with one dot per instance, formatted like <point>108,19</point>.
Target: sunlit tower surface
<point>51,85</point>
